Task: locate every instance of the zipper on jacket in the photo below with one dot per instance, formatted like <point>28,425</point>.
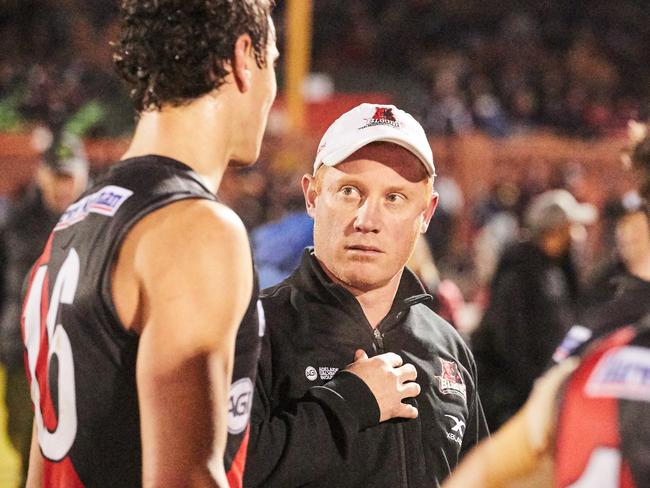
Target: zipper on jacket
<point>379,341</point>
<point>404,481</point>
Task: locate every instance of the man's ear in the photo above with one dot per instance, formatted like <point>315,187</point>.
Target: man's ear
<point>241,62</point>
<point>428,213</point>
<point>310,194</point>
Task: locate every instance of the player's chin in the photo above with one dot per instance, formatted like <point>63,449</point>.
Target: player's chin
<point>247,155</point>
<point>243,162</point>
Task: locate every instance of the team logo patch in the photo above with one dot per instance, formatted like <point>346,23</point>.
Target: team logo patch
<point>106,202</point>
<point>450,381</point>
<point>382,116</point>
<point>622,373</point>
<point>457,429</point>
<point>239,405</point>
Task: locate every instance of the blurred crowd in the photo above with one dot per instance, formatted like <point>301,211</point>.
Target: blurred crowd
<point>497,67</point>
<point>56,67</point>
<point>527,271</point>
<point>501,67</point>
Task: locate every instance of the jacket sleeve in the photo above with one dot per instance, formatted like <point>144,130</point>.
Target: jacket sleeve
<point>298,442</point>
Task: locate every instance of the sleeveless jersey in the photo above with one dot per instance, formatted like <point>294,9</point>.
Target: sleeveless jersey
<point>79,358</point>
<point>603,429</point>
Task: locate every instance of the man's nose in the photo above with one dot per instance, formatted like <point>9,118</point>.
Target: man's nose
<point>368,218</point>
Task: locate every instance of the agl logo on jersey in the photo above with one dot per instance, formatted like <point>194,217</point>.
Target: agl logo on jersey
<point>239,405</point>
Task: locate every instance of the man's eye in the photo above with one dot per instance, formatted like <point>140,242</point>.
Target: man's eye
<point>348,191</point>
<point>394,197</point>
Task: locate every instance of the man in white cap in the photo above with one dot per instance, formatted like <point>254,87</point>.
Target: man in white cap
<point>360,383</point>
<point>533,302</point>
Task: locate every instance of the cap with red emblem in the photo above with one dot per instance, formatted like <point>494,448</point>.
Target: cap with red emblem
<point>369,123</point>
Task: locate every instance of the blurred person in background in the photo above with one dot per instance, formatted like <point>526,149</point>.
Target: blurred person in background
<point>351,338</point>
<point>279,244</point>
<point>140,318</point>
<point>587,421</point>
<point>497,219</point>
<point>617,293</point>
<point>61,177</point>
<point>532,303</point>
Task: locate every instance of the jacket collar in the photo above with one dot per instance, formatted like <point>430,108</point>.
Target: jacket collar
<point>311,277</point>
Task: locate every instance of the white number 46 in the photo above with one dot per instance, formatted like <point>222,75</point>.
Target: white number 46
<point>56,443</point>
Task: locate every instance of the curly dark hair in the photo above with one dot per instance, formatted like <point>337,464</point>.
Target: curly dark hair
<point>171,51</point>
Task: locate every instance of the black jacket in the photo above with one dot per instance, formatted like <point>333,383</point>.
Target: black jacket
<point>533,302</point>
<point>612,298</point>
<point>314,427</point>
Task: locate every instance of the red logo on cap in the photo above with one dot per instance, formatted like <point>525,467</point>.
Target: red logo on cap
<point>382,116</point>
<point>384,113</point>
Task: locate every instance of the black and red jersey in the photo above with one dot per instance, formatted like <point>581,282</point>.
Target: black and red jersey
<point>603,433</point>
<point>79,358</point>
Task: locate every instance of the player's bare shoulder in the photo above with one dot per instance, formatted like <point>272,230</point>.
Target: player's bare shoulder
<point>192,247</point>
<point>193,223</point>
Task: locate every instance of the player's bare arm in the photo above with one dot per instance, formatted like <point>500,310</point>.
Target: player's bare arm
<point>183,280</point>
<point>35,473</point>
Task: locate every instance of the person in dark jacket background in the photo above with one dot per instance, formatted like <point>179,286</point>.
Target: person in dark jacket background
<point>617,293</point>
<point>533,302</point>
<point>317,420</point>
<point>60,178</point>
<point>587,420</point>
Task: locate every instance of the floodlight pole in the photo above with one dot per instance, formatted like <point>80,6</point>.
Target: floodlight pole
<point>298,56</point>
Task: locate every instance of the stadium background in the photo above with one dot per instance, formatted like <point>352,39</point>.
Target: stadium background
<point>515,96</point>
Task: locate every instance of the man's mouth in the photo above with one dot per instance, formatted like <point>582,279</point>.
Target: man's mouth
<point>363,248</point>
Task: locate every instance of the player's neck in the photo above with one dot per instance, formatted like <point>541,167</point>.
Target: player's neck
<point>196,134</point>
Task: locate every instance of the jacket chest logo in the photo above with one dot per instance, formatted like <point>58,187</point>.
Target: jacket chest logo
<point>323,372</point>
<point>450,380</point>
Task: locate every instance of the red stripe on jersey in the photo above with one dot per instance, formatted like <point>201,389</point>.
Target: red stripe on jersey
<point>47,251</point>
<point>62,474</point>
<point>577,434</point>
<point>42,260</point>
<point>47,406</point>
<point>236,472</point>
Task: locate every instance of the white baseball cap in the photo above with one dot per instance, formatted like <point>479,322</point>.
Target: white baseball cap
<point>369,123</point>
<point>554,208</point>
